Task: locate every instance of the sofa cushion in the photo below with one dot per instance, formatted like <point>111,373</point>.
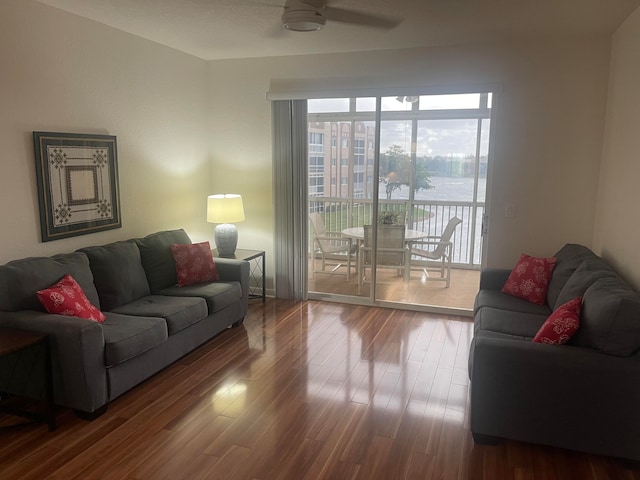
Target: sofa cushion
<point>504,321</point>
<point>21,279</point>
<point>610,320</point>
<point>529,279</point>
<point>157,260</point>
<point>568,259</point>
<point>561,325</point>
<point>503,301</point>
<point>117,273</point>
<point>217,295</point>
<point>490,334</point>
<point>590,270</point>
<point>194,264</point>
<point>179,312</point>
<point>67,298</point>
<point>127,336</point>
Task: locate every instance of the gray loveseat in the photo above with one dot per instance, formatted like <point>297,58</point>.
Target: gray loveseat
<point>151,322</point>
<point>582,395</point>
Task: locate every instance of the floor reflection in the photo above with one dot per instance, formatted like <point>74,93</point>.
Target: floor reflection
<point>389,361</point>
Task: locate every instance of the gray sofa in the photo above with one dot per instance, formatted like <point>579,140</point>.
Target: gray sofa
<point>582,395</point>
<point>151,322</point>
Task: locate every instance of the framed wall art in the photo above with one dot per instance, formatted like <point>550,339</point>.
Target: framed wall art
<point>77,178</point>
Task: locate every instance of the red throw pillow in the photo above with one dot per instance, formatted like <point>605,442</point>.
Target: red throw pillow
<point>529,279</point>
<point>561,324</point>
<point>67,298</point>
<point>194,263</point>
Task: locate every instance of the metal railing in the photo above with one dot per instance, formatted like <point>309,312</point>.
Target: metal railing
<point>429,216</point>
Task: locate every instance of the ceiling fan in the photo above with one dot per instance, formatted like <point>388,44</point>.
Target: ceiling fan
<point>311,15</point>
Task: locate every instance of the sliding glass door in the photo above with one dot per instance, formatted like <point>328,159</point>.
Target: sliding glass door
<point>419,162</point>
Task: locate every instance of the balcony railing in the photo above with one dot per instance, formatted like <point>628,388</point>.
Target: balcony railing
<point>429,216</point>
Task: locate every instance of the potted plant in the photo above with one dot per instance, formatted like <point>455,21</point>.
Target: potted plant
<point>389,217</point>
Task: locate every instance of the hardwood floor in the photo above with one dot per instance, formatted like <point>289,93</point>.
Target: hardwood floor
<point>305,391</point>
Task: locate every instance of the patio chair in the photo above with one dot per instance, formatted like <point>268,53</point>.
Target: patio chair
<point>392,251</point>
<point>435,249</point>
<point>334,249</point>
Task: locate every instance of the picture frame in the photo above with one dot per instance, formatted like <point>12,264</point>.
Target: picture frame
<point>77,177</point>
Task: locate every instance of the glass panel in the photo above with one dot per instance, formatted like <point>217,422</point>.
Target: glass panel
<point>366,104</point>
<point>449,102</point>
<point>484,158</point>
<point>394,104</point>
<point>328,105</point>
<point>447,148</point>
<point>395,156</point>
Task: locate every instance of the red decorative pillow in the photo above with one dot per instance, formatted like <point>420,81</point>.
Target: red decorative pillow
<point>529,279</point>
<point>561,324</point>
<point>67,298</point>
<point>194,263</point>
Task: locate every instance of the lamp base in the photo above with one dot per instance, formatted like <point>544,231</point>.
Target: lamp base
<point>226,235</point>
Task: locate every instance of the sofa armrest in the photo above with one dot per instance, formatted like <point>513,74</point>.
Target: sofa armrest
<point>232,270</point>
<point>493,278</point>
<point>77,352</point>
<point>565,396</point>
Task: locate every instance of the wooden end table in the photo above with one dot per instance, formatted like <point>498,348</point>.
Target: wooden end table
<point>19,349</point>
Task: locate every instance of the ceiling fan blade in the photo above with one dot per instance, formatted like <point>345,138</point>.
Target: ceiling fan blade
<point>316,3</point>
<point>357,18</point>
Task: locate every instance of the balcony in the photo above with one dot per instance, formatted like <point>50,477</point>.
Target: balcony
<point>430,217</point>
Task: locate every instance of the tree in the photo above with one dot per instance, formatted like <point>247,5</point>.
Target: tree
<point>395,169</point>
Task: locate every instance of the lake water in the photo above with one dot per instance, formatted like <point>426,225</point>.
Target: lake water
<point>456,189</point>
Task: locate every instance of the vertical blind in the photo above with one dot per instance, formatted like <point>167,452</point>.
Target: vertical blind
<point>289,120</point>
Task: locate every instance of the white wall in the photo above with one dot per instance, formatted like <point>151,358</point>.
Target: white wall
<point>617,235</point>
<point>548,143</point>
<point>61,73</point>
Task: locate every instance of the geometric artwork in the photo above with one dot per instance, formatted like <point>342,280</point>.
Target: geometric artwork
<point>77,178</point>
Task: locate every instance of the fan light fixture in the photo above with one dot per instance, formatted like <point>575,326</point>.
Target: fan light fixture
<point>303,20</point>
<point>409,99</point>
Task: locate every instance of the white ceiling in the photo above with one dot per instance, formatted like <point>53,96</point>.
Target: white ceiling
<point>217,29</point>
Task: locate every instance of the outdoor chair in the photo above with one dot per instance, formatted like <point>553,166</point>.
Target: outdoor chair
<point>334,249</point>
<point>392,251</point>
<point>435,249</point>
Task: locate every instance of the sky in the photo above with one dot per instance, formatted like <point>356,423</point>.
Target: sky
<point>442,137</point>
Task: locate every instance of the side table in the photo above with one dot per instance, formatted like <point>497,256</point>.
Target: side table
<point>20,352</point>
<point>257,269</point>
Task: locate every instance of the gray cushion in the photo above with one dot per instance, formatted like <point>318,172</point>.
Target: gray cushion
<point>504,301</point>
<point>610,318</point>
<point>490,334</point>
<point>21,279</point>
<point>218,294</point>
<point>507,322</point>
<point>179,312</point>
<point>157,259</point>
<point>568,260</point>
<point>585,275</point>
<point>126,336</point>
<point>117,273</point>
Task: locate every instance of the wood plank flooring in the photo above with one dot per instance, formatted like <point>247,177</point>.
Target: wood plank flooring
<point>307,391</point>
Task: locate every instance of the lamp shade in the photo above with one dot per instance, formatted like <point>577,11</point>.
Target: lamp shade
<point>225,208</point>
